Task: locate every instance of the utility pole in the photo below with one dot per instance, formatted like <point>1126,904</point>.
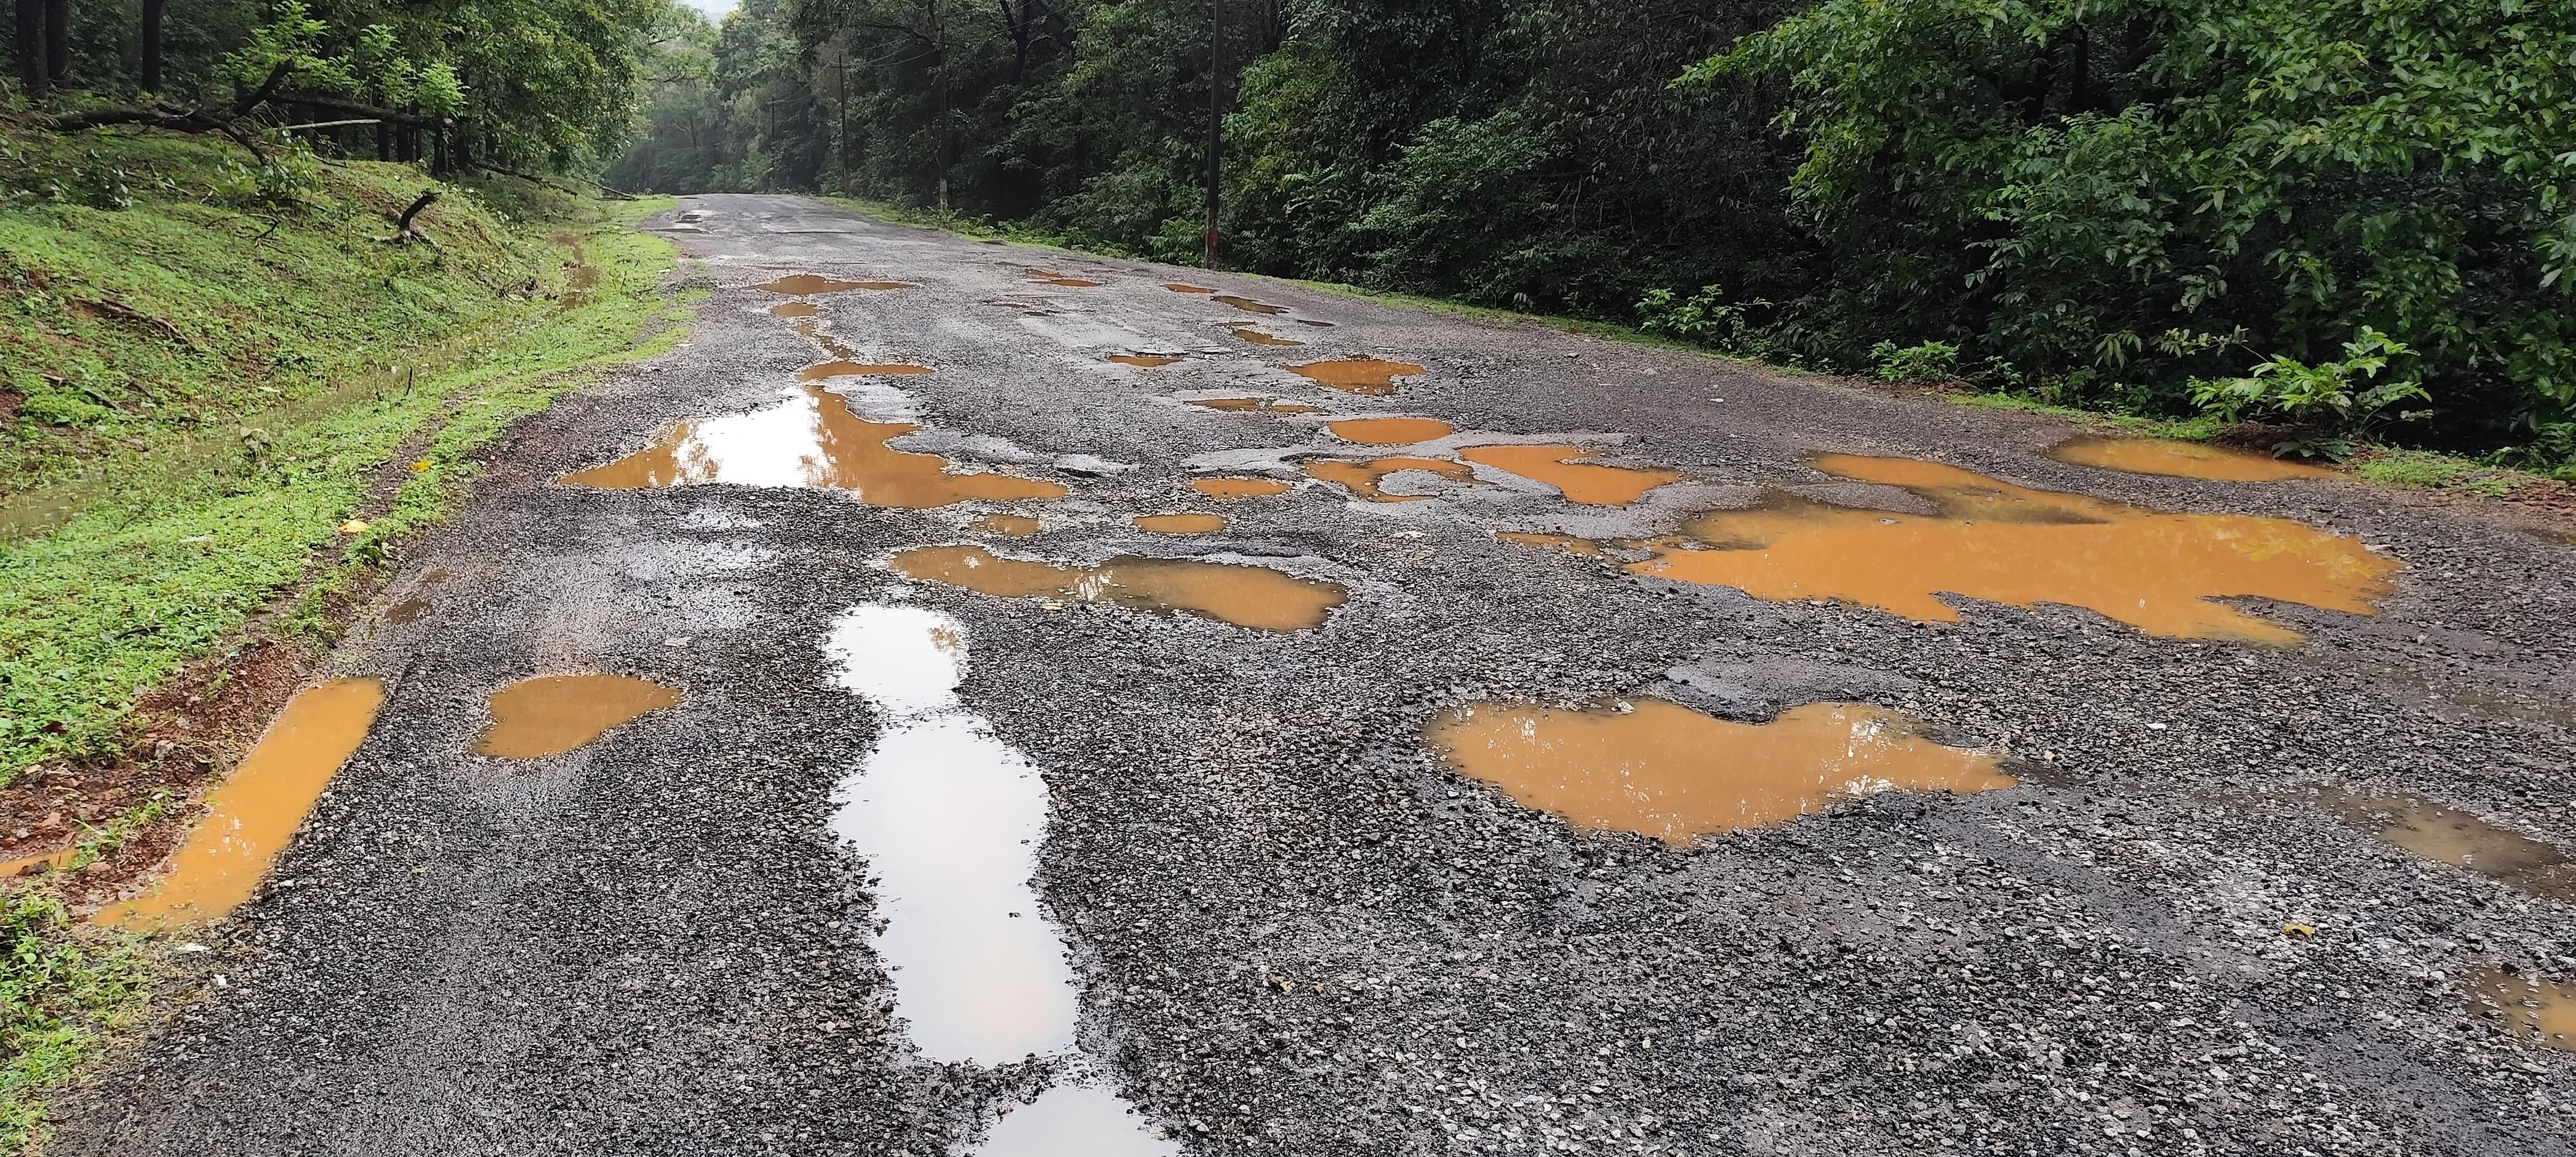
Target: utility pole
<point>841,89</point>
<point>1216,121</point>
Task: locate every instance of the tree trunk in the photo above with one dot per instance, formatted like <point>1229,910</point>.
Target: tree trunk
<point>152,45</point>
<point>58,41</point>
<point>31,48</point>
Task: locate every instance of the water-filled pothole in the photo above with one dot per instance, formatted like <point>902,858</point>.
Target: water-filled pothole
<point>1256,337</point>
<point>2528,1007</point>
<point>1371,377</point>
<point>410,610</point>
<point>808,284</point>
<point>1389,431</point>
<point>552,714</point>
<point>810,440</point>
<point>2452,836</point>
<point>794,309</point>
<point>1588,483</point>
<point>2181,460</point>
<point>1182,523</point>
<point>254,813</point>
<point>1663,770</point>
<point>1364,478</point>
<point>1252,405</point>
<point>1246,596</point>
<point>2009,544</point>
<point>1571,544</point>
<point>1011,525</point>
<point>1236,489</point>
<point>1177,287</point>
<point>1145,361</point>
<point>848,369</point>
<point>1248,305</point>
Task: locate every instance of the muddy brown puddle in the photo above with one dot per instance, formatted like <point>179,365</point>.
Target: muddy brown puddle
<point>1237,489</point>
<point>1011,525</point>
<point>1145,361</point>
<point>1246,596</point>
<point>794,309</point>
<point>1363,478</point>
<point>1248,305</point>
<point>1390,431</point>
<point>1661,769</point>
<point>1256,337</point>
<point>1182,523</point>
<point>1177,287</point>
<point>552,714</point>
<point>2438,832</point>
<point>2181,460</point>
<point>1568,543</point>
<point>1587,483</point>
<point>2527,1007</point>
<point>254,813</point>
<point>2002,543</point>
<point>807,284</point>
<point>848,369</point>
<point>811,440</point>
<point>1370,377</point>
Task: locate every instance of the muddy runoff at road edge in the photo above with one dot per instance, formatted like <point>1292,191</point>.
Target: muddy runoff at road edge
<point>949,818</point>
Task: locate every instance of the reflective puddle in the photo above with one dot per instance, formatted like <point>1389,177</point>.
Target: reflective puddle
<point>810,440</point>
<point>1013,525</point>
<point>1257,337</point>
<point>552,714</point>
<point>1363,478</point>
<point>1181,523</point>
<point>844,369</point>
<point>2181,460</point>
<point>2538,1011</point>
<point>806,284</point>
<point>1248,305</point>
<point>1177,287</point>
<point>949,819</point>
<point>1146,361</point>
<point>1246,596</point>
<point>1390,431</point>
<point>255,813</point>
<point>2452,836</point>
<point>794,309</point>
<point>1245,405</point>
<point>1588,483</point>
<point>1369,376</point>
<point>1236,489</point>
<point>1664,770</point>
<point>2002,543</point>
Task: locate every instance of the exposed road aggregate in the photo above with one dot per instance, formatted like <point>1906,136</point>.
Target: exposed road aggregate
<point>1295,930</point>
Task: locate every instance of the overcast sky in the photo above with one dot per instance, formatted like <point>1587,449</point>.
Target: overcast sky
<point>715,9</point>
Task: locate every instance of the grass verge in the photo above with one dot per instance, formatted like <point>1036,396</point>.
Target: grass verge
<point>223,403</point>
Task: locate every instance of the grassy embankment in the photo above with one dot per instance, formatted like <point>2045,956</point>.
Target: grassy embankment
<point>2391,466</point>
<point>219,389</point>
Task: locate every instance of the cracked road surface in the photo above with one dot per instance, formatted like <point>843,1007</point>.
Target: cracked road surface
<point>979,825</point>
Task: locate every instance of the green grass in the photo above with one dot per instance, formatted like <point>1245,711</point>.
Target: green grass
<point>179,483</point>
<point>63,986</point>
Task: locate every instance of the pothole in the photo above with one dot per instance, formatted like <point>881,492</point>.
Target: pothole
<point>1256,337</point>
<point>1145,361</point>
<point>1663,770</point>
<point>1181,523</point>
<point>2181,460</point>
<point>811,440</point>
<point>1370,377</point>
<point>1251,405</point>
<point>1364,478</point>
<point>552,714</point>
<point>2002,543</point>
<point>2527,1007</point>
<point>1587,483</point>
<point>1009,525</point>
<point>1178,287</point>
<point>1248,305</point>
<point>254,813</point>
<point>2452,836</point>
<point>1246,596</point>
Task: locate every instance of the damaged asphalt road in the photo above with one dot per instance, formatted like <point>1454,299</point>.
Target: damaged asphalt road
<point>1294,928</point>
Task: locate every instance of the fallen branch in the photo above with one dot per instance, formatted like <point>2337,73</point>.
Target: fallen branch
<point>202,119</point>
<point>329,124</point>
<point>403,233</point>
<point>611,194</point>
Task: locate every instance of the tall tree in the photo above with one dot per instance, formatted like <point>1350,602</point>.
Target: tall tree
<point>32,73</point>
<point>58,40</point>
<point>152,46</point>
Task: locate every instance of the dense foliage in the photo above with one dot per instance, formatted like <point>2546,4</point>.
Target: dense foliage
<point>2114,202</point>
